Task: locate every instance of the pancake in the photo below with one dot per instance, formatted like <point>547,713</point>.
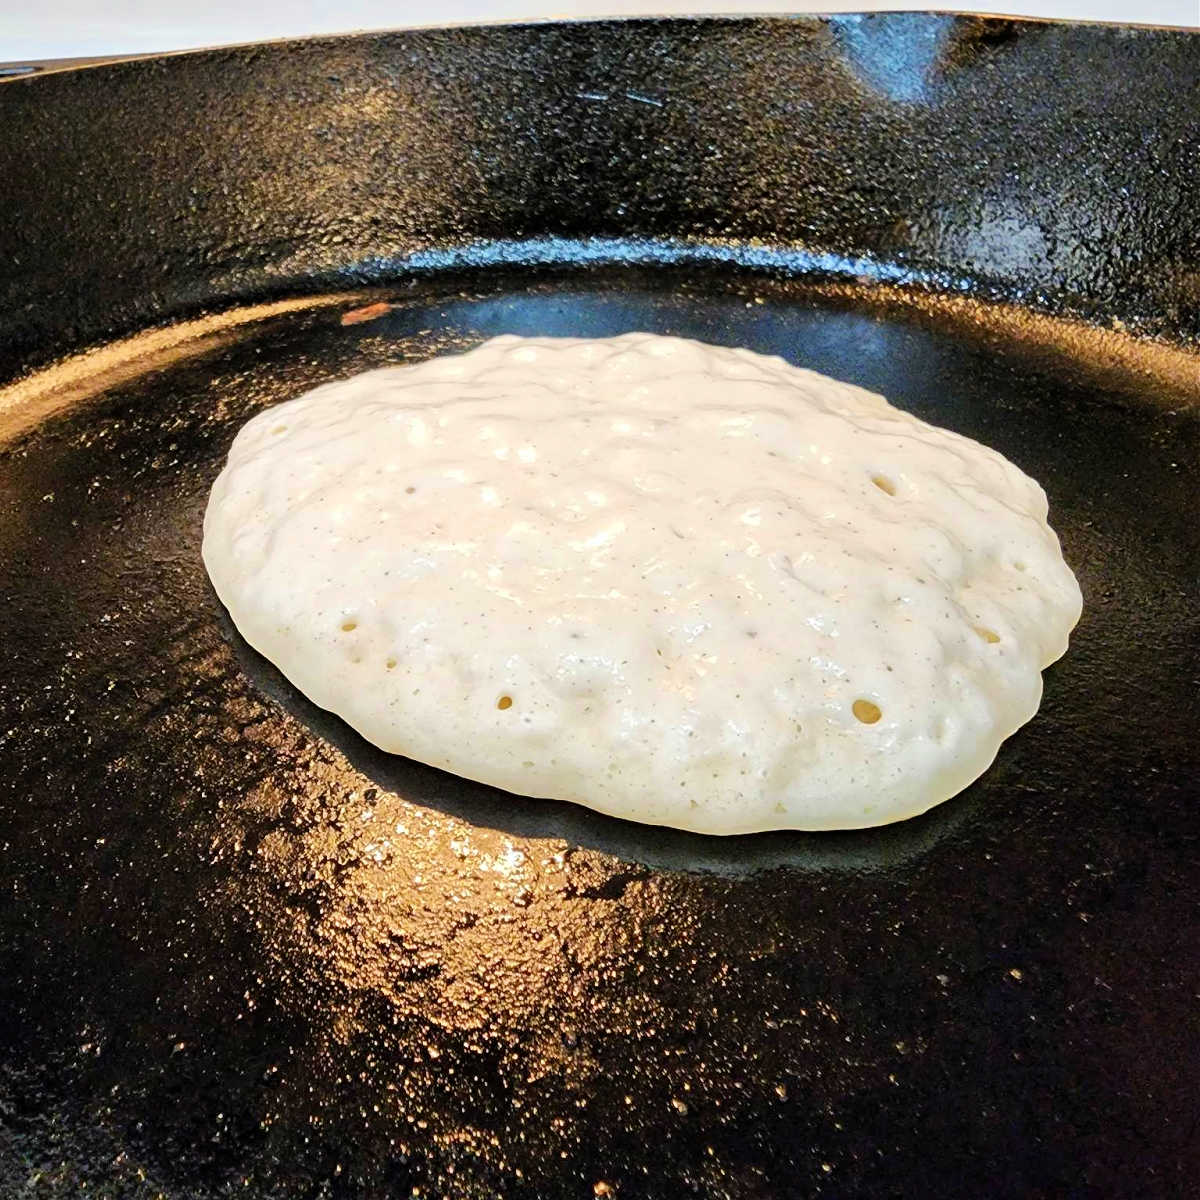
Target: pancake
<point>676,583</point>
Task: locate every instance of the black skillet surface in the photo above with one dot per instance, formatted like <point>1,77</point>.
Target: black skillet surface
<point>243,953</point>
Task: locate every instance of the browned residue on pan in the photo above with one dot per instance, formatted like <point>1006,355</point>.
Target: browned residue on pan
<point>369,312</point>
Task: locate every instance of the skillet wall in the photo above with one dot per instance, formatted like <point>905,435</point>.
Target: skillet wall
<point>1056,166</point>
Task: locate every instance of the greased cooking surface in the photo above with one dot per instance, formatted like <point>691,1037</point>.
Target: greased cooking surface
<point>673,582</point>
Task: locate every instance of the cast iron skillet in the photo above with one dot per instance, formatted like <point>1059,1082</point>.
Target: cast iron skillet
<point>243,953</point>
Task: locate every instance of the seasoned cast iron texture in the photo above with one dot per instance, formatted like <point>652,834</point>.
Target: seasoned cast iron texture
<point>1053,164</point>
<point>244,953</point>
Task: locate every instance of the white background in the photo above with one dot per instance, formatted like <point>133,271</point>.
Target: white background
<point>39,29</point>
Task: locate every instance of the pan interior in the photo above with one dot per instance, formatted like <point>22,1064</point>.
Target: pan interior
<point>242,944</point>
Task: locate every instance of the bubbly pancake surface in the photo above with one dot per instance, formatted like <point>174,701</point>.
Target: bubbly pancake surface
<point>676,583</point>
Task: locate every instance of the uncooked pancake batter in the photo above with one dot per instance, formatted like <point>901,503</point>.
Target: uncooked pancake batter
<point>676,583</point>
